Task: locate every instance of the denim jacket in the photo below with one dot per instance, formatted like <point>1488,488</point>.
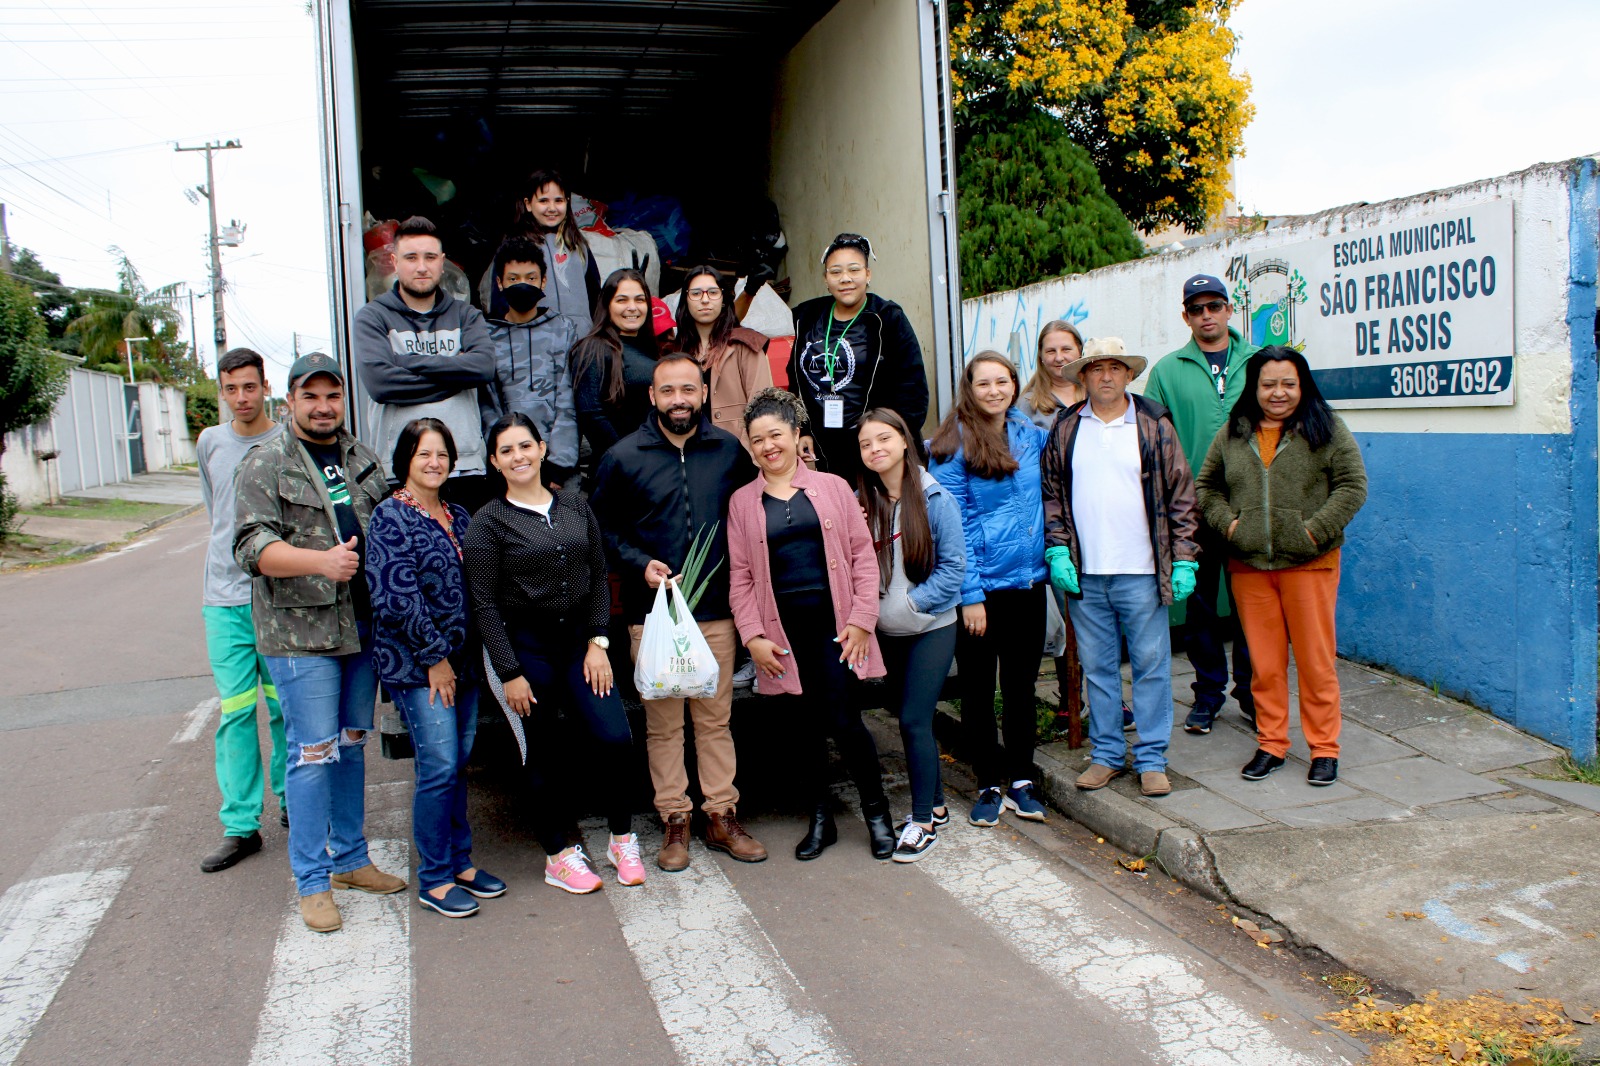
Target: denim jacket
<point>1003,519</point>
<point>419,594</point>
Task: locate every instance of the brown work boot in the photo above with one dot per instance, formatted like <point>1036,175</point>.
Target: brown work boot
<point>1154,783</point>
<point>319,913</point>
<point>724,833</point>
<point>369,879</point>
<point>1096,776</point>
<point>674,854</point>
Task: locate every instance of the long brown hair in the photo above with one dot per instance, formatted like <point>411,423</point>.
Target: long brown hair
<point>1040,395</point>
<point>916,535</point>
<point>568,235</point>
<point>603,345</point>
<point>689,330</point>
<point>966,427</point>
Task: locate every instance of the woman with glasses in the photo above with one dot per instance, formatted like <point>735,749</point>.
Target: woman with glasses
<point>853,351</point>
<point>734,358</point>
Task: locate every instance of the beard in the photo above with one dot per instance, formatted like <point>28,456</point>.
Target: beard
<point>431,286</point>
<point>677,421</point>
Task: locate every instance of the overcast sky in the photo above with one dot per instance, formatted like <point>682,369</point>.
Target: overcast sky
<point>1355,100</point>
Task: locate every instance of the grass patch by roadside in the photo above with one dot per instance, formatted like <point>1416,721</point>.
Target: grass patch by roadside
<point>1481,1030</point>
<point>102,509</point>
<point>20,549</point>
<point>1571,769</point>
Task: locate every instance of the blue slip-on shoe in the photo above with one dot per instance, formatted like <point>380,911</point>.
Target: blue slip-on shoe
<point>456,903</point>
<point>483,885</point>
<point>1023,802</point>
<point>986,811</point>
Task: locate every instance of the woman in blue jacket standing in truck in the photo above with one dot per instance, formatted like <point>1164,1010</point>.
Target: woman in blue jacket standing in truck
<point>986,453</point>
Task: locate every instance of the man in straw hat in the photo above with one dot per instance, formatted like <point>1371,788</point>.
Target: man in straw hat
<point>1120,525</point>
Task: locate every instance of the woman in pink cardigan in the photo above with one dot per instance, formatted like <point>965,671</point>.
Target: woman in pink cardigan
<point>803,585</point>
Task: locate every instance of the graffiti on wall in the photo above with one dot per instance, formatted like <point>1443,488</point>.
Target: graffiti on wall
<point>1010,324</point>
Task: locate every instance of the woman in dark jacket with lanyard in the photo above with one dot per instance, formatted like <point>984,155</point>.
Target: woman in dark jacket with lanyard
<point>421,649</point>
<point>1281,481</point>
<point>803,585</point>
<point>853,351</point>
<point>987,454</point>
<point>542,604</point>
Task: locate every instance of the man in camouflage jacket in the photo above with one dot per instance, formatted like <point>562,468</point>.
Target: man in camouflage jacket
<point>303,502</point>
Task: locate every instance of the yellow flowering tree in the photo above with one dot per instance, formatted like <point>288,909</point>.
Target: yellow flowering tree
<point>1146,87</point>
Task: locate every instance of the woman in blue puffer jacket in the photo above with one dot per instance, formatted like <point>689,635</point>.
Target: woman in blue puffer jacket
<point>986,453</point>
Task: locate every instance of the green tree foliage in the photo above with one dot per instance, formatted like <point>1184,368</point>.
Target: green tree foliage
<point>134,310</point>
<point>32,378</point>
<point>58,304</point>
<point>1032,207</point>
<point>200,406</point>
<point>1146,86</point>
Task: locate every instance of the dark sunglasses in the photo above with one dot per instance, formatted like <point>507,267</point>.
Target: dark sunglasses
<point>1209,307</point>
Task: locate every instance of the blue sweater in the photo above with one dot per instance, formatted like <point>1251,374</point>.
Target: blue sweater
<point>1003,519</point>
<point>419,594</point>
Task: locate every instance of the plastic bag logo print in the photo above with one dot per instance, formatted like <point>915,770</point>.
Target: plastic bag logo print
<point>674,661</point>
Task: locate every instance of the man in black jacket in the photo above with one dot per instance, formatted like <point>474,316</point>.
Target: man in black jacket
<point>656,490</point>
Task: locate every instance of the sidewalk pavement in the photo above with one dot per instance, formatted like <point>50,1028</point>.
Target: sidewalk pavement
<point>93,534</point>
<point>1438,861</point>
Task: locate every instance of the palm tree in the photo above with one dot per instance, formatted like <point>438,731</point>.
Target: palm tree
<point>134,311</point>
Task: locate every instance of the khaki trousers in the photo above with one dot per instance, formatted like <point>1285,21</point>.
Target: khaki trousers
<point>1279,608</point>
<point>713,740</point>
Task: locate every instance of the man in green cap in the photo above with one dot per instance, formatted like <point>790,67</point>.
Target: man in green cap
<point>1198,385</point>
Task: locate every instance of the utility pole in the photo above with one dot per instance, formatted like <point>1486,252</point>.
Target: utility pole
<point>296,337</point>
<point>194,344</point>
<point>219,324</point>
<point>5,242</point>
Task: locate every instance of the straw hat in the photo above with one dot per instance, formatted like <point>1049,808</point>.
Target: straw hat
<point>1107,348</point>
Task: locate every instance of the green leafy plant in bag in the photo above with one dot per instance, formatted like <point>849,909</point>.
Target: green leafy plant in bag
<point>692,584</point>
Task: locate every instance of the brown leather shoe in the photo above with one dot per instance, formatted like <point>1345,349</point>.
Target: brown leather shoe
<point>319,913</point>
<point>1154,783</point>
<point>1096,776</point>
<point>369,879</point>
<point>674,855</point>
<point>724,833</point>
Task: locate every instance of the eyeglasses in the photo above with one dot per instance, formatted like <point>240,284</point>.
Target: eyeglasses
<point>855,270</point>
<point>704,294</point>
<point>1210,307</point>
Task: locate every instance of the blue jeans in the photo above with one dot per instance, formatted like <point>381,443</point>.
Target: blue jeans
<point>442,737</point>
<point>1131,603</point>
<point>327,716</point>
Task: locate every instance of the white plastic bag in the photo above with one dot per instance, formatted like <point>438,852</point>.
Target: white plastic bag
<point>674,659</point>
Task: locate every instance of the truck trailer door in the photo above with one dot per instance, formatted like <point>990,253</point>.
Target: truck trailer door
<point>938,133</point>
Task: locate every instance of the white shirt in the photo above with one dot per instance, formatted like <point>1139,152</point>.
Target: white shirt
<point>1107,500</point>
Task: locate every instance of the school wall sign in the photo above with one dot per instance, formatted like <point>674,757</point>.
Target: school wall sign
<point>1411,313</point>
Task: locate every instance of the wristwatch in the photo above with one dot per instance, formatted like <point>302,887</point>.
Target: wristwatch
<point>603,643</point>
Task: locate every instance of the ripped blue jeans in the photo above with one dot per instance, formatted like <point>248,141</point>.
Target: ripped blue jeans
<point>327,705</point>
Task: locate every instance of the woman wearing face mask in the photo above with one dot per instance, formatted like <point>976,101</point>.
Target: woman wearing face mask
<point>733,357</point>
<point>612,366</point>
<point>542,604</point>
<point>803,585</point>
<point>853,351</point>
<point>916,530</point>
<point>572,280</point>
<point>987,455</point>
<point>422,650</point>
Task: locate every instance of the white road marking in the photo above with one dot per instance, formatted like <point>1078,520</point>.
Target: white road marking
<point>195,721</point>
<point>126,548</point>
<point>723,992</point>
<point>46,919</point>
<point>1043,917</point>
<point>344,998</point>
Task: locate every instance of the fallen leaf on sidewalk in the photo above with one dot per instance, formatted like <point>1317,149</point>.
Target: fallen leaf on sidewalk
<point>1247,925</point>
<point>1461,1030</point>
<point>1458,1050</point>
<point>1583,1015</point>
<point>1412,916</point>
<point>1269,1016</point>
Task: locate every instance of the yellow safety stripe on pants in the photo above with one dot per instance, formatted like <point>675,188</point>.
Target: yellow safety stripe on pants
<point>242,702</point>
<point>270,691</point>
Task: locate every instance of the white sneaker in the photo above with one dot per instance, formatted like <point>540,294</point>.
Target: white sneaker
<point>745,676</point>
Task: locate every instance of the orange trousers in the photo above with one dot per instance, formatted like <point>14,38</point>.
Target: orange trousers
<point>1279,608</point>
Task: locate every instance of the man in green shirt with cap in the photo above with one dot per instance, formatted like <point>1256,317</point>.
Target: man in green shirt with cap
<point>1198,385</point>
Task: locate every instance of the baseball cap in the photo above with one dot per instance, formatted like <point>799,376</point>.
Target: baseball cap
<point>315,363</point>
<point>1201,284</point>
<point>661,316</point>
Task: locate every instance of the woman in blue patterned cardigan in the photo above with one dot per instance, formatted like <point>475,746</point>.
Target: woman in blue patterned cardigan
<point>423,652</point>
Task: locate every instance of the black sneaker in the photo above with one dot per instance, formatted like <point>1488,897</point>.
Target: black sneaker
<point>1324,771</point>
<point>941,819</point>
<point>1200,720</point>
<point>1247,710</point>
<point>914,843</point>
<point>233,851</point>
<point>283,817</point>
<point>1260,766</point>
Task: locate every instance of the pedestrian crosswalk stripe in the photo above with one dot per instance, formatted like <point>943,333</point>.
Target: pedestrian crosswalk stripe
<point>344,998</point>
<point>723,992</point>
<point>46,919</point>
<point>1043,917</point>
<point>195,721</point>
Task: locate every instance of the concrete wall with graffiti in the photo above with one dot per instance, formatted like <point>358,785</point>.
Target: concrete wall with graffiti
<point>1458,329</point>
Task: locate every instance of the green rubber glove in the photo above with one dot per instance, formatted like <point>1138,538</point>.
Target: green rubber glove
<point>1183,577</point>
<point>1063,575</point>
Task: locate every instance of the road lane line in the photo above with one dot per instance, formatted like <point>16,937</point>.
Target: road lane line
<point>344,998</point>
<point>1044,918</point>
<point>46,919</point>
<point>723,992</point>
<point>195,721</point>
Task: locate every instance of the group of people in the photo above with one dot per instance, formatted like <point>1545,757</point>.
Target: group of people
<point>456,559</point>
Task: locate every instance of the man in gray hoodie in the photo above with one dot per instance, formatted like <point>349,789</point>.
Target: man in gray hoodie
<point>421,353</point>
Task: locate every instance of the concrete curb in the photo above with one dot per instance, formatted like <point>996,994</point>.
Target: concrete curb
<point>100,546</point>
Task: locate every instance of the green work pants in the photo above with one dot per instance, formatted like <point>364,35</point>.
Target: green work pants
<point>241,674</point>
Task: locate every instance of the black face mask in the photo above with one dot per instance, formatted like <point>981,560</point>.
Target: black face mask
<point>522,297</point>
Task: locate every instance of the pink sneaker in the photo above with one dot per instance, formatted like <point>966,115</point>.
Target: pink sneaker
<point>624,855</point>
<point>570,872</point>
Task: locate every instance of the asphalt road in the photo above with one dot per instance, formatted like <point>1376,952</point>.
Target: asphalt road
<point>1020,944</point>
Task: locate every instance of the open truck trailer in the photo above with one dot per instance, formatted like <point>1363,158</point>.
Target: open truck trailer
<point>836,110</point>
